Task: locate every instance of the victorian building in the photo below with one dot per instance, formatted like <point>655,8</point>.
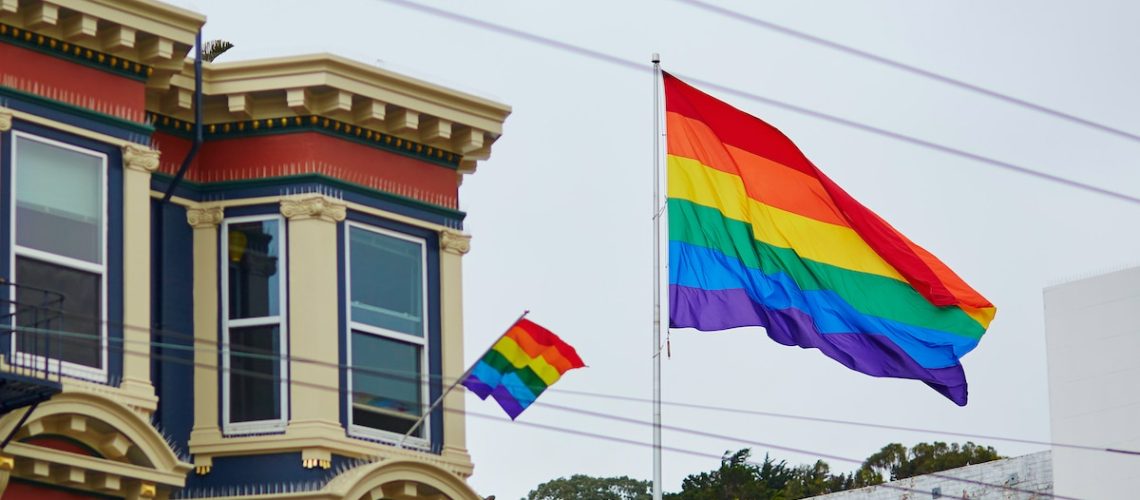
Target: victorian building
<point>237,280</point>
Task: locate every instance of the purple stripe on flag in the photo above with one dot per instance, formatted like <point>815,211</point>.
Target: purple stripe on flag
<point>875,355</point>
<point>477,386</point>
<point>507,401</point>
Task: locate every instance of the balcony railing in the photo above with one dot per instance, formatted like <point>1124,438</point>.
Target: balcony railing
<point>32,328</point>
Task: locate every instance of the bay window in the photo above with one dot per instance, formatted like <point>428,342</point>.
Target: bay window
<point>59,220</point>
<point>386,285</point>
<point>254,394</point>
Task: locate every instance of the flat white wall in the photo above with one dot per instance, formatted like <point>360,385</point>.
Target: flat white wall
<point>1092,330</point>
<point>1022,478</point>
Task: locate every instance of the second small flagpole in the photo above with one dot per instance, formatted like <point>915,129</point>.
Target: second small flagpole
<point>656,278</point>
<point>458,381</point>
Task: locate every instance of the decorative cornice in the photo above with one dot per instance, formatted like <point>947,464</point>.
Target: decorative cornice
<point>307,123</point>
<point>75,52</point>
<point>455,242</point>
<point>5,119</point>
<point>204,218</point>
<point>316,207</point>
<point>138,157</point>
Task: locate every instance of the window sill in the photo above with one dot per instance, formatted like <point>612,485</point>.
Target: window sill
<point>207,443</point>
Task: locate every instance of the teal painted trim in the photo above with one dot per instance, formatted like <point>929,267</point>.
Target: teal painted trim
<point>218,187</point>
<point>114,121</point>
<point>74,53</point>
<point>311,123</point>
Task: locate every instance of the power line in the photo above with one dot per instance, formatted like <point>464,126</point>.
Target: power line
<point>617,61</point>
<point>914,70</point>
<point>342,391</point>
<point>407,376</point>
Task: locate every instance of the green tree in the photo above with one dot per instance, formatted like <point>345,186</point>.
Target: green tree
<point>214,48</point>
<point>581,486</point>
<point>895,461</point>
<point>737,479</point>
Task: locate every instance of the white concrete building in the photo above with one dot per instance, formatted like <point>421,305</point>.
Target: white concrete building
<point>1022,478</point>
<point>1092,328</point>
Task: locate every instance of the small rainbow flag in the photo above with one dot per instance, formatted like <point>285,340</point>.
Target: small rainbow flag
<point>758,236</point>
<point>522,364</point>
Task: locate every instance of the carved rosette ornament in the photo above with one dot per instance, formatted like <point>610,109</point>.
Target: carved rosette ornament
<point>204,218</point>
<point>138,157</point>
<point>317,207</point>
<point>5,119</point>
<point>455,242</point>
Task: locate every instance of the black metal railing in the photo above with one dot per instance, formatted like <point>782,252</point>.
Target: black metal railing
<point>32,326</point>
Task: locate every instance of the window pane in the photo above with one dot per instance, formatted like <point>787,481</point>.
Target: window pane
<point>255,269</point>
<point>387,282</point>
<point>387,384</point>
<point>59,200</point>
<point>74,333</point>
<point>255,374</point>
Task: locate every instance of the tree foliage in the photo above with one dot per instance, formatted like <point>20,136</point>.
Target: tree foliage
<point>581,486</point>
<point>739,477</point>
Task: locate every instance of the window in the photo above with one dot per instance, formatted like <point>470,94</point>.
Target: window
<point>254,394</point>
<point>59,214</point>
<point>387,293</point>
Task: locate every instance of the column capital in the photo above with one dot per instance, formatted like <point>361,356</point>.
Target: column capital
<point>316,207</point>
<point>204,218</point>
<point>5,119</point>
<point>452,241</point>
<point>139,157</point>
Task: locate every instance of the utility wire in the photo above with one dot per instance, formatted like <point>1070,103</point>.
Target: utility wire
<point>914,70</point>
<point>407,376</point>
<point>898,136</point>
<point>344,392</point>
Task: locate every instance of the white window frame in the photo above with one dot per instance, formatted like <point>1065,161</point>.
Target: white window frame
<point>425,367</point>
<point>66,368</point>
<point>256,426</point>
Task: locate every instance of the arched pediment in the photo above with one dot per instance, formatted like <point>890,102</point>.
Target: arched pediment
<point>400,480</point>
<point>111,430</point>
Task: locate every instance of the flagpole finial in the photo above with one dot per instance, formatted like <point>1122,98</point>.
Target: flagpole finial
<point>656,58</point>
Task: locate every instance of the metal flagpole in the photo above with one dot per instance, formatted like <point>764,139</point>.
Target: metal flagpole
<point>458,381</point>
<point>656,278</point>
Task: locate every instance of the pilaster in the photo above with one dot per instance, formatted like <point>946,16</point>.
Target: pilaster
<point>453,245</point>
<point>138,163</point>
<point>205,222</point>
<point>5,119</point>
<point>314,327</point>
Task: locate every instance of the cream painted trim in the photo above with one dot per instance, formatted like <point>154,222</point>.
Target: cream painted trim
<point>134,427</point>
<point>396,478</point>
<point>33,452</point>
<point>205,445</point>
<point>273,200</point>
<point>140,401</point>
<point>152,17</point>
<point>363,80</point>
<point>71,129</point>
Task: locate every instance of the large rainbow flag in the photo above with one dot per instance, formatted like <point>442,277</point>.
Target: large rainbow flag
<point>523,363</point>
<point>758,236</point>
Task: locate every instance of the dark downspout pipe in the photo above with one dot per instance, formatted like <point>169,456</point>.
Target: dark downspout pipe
<point>197,120</point>
<point>157,320</point>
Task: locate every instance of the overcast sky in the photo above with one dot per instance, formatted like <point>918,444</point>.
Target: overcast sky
<point>561,212</point>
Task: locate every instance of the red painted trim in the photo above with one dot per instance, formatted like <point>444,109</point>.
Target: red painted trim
<point>61,444</point>
<point>61,80</point>
<point>299,153</point>
<point>18,489</point>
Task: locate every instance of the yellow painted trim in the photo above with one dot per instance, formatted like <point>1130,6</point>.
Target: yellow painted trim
<point>152,17</point>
